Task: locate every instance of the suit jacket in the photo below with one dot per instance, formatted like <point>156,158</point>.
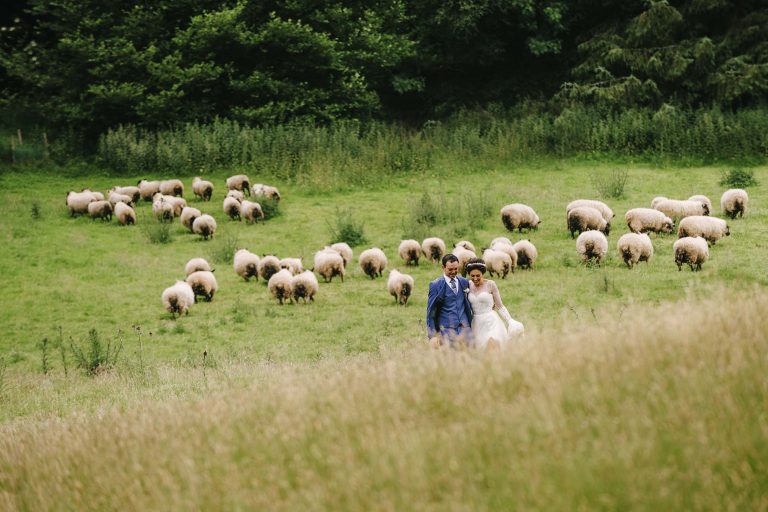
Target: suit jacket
<point>437,290</point>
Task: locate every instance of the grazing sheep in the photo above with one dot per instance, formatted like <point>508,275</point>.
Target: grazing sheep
<point>585,218</point>
<point>519,216</point>
<point>464,255</point>
<point>131,191</point>
<point>373,262</point>
<point>177,203</point>
<point>508,249</point>
<point>239,182</point>
<point>703,199</point>
<point>251,211</point>
<point>125,214</point>
<point>197,264</point>
<point>202,188</point>
<point>162,209</point>
<point>203,283</point>
<point>329,263</point>
<point>592,245</point>
<point>433,249</point>
<point>267,191</point>
<point>78,202</point>
<point>236,194</point>
<point>526,254</point>
<point>467,245</point>
<point>345,250</point>
<point>676,209</point>
<point>280,285</point>
<point>400,286</point>
<point>600,206</point>
<point>656,200</point>
<point>178,298</point>
<point>409,251</point>
<point>501,239</point>
<point>710,229</point>
<point>644,220</point>
<point>293,265</point>
<point>246,264</point>
<point>148,189</point>
<point>205,226</point>
<point>304,286</point>
<point>734,202</point>
<point>114,198</point>
<point>690,250</point>
<point>188,216</point>
<point>100,210</point>
<point>498,262</point>
<point>268,266</point>
<point>172,187</point>
<point>231,207</point>
<point>635,247</point>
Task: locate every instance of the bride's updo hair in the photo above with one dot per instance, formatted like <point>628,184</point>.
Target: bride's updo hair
<point>475,264</point>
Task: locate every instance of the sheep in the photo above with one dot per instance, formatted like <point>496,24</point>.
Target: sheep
<point>78,202</point>
<point>268,266</point>
<point>251,211</point>
<point>592,245</point>
<point>177,203</point>
<point>203,284</point>
<point>345,250</point>
<point>131,191</point>
<point>644,220</point>
<point>710,229</point>
<point>373,262</point>
<point>162,209</point>
<point>584,218</point>
<point>690,250</point>
<point>231,207</point>
<point>172,187</point>
<point>400,286</point>
<point>202,188</point>
<point>519,216</point>
<point>656,200</point>
<point>280,285</point>
<point>98,195</point>
<point>236,194</point>
<point>188,216</point>
<point>467,245</point>
<point>197,264</point>
<point>239,182</point>
<point>509,250</point>
<point>329,263</point>
<point>205,226</point>
<point>148,189</point>
<point>526,253</point>
<point>498,262</point>
<point>100,210</point>
<point>676,209</point>
<point>464,255</point>
<point>600,206</point>
<point>268,191</point>
<point>409,251</point>
<point>304,286</point>
<point>114,198</point>
<point>246,264</point>
<point>501,239</point>
<point>634,248</point>
<point>125,214</point>
<point>703,199</point>
<point>178,298</point>
<point>433,249</point>
<point>293,265</point>
<point>734,202</point>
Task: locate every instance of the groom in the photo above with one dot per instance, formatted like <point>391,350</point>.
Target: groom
<point>449,313</point>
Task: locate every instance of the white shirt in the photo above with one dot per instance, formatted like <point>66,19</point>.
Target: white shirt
<point>448,282</point>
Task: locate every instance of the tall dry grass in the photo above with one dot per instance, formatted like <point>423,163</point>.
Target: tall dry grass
<point>653,408</point>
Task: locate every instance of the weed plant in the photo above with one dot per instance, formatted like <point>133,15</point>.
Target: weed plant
<point>738,178</point>
<point>269,206</point>
<point>610,185</point>
<point>345,228</point>
<point>96,358</point>
<point>156,231</point>
<point>223,248</point>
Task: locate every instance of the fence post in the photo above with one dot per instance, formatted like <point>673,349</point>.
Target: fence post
<point>13,150</point>
<point>21,141</point>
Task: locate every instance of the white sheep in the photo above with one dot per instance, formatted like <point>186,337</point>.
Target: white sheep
<point>433,249</point>
<point>178,298</point>
<point>231,207</point>
<point>98,195</point>
<point>635,247</point>
<point>205,226</point>
<point>526,254</point>
<point>373,262</point>
<point>592,245</point>
<point>239,182</point>
<point>293,265</point>
<point>409,251</point>
<point>710,229</point>
<point>202,188</point>
<point>690,250</point>
<point>585,218</point>
<point>305,286</point>
<point>703,199</point>
<point>131,191</point>
<point>466,244</point>
<point>519,216</point>
<point>268,191</point>
<point>463,255</point>
<point>268,266</point>
<point>498,262</point>
<point>644,220</point>
<point>237,194</point>
<point>246,264</point>
<point>100,210</point>
<point>676,209</point>
<point>172,187</point>
<point>115,197</point>
<point>280,285</point>
<point>734,202</point>
<point>656,200</point>
<point>251,211</point>
<point>125,214</point>
<point>400,286</point>
<point>188,216</point>
<point>329,263</point>
<point>78,202</point>
<point>508,249</point>
<point>148,189</point>
<point>203,284</point>
<point>197,264</point>
<point>162,209</point>
<point>600,206</point>
<point>499,239</point>
<point>177,203</point>
<point>345,250</point>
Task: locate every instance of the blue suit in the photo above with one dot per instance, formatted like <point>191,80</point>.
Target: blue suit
<point>448,313</point>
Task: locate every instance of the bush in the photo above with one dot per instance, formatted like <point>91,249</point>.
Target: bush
<point>157,232</point>
<point>270,207</point>
<point>346,229</point>
<point>611,185</point>
<point>738,178</point>
<point>224,248</point>
<point>96,358</point>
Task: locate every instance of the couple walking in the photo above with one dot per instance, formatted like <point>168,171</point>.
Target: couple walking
<point>466,311</point>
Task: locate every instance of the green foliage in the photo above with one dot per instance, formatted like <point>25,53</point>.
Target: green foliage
<point>34,211</point>
<point>610,184</point>
<point>224,247</point>
<point>96,358</point>
<point>45,365</point>
<point>738,178</point>
<point>436,213</point>
<point>156,231</point>
<point>270,206</point>
<point>346,229</point>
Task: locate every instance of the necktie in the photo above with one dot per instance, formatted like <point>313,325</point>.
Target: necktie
<point>453,285</point>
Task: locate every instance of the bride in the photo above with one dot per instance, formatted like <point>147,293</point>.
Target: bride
<point>488,329</point>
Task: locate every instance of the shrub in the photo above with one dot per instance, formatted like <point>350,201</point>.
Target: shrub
<point>224,248</point>
<point>157,232</point>
<point>270,207</point>
<point>738,178</point>
<point>96,358</point>
<point>346,229</point>
<point>34,211</point>
<point>610,185</point>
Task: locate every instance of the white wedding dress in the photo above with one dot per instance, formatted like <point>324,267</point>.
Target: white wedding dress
<point>487,325</point>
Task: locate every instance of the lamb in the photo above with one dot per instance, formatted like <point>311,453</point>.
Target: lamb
<point>280,285</point>
<point>509,250</point>
<point>148,189</point>
<point>600,206</point>
<point>268,266</point>
<point>231,207</point>
<point>267,191</point>
<point>236,194</point>
<point>644,220</point>
<point>676,209</point>
<point>464,255</point>
<point>188,216</point>
<point>710,229</point>
<point>202,188</point>
<point>239,182</point>
<point>131,191</point>
<point>125,214</point>
<point>114,198</point>
<point>304,286</point>
<point>172,187</point>
<point>498,262</point>
<point>373,262</point>
<point>293,265</point>
<point>703,199</point>
<point>690,250</point>
<point>251,211</point>
<point>467,245</point>
<point>634,248</point>
<point>433,249</point>
<point>592,245</point>
<point>734,202</point>
<point>409,251</point>
<point>178,298</point>
<point>584,218</point>
<point>162,209</point>
<point>400,286</point>
<point>197,264</point>
<point>100,210</point>
<point>203,284</point>
<point>246,264</point>
<point>78,202</point>
<point>329,263</point>
<point>519,216</point>
<point>526,254</point>
<point>205,226</point>
<point>345,250</point>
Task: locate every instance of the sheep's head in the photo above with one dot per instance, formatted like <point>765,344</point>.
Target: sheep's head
<point>668,226</point>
